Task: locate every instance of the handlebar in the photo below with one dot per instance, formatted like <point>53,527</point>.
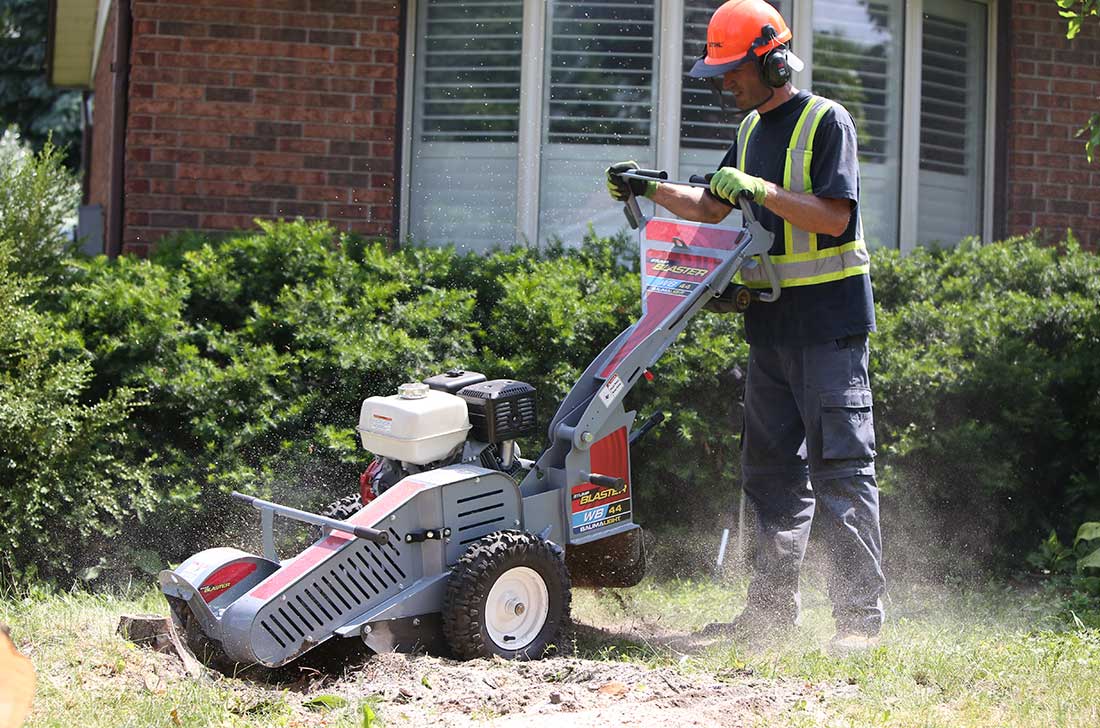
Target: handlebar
<point>635,217</point>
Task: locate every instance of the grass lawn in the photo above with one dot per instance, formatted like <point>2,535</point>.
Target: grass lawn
<point>981,657</point>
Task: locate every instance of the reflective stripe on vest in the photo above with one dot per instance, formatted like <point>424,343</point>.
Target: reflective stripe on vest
<point>802,264</point>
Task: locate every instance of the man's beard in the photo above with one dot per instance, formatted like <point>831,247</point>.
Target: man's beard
<point>765,95</point>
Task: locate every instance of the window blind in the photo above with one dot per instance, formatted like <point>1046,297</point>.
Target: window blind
<point>702,123</point>
<point>952,119</point>
<point>853,55</point>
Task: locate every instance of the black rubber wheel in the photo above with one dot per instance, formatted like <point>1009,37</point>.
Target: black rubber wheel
<point>509,595</point>
<point>344,508</point>
<point>341,510</point>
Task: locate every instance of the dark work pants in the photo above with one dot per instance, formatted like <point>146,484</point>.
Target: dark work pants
<point>808,455</point>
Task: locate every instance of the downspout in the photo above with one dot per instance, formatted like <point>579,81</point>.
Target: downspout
<point>85,147</point>
<point>120,67</point>
<point>1001,115</point>
<point>399,121</point>
<point>51,21</point>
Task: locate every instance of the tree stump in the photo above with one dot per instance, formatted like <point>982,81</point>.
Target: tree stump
<point>159,634</point>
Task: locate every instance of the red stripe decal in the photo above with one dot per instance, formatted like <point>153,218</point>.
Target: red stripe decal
<point>693,234</point>
<point>224,578</point>
<point>659,306</point>
<point>611,456</point>
<point>371,514</point>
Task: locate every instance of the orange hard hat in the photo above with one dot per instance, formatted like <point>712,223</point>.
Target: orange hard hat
<point>738,31</point>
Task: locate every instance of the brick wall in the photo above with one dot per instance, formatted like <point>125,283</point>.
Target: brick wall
<point>1055,87</point>
<point>261,108</point>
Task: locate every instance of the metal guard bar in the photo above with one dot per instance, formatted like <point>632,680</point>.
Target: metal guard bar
<point>370,534</point>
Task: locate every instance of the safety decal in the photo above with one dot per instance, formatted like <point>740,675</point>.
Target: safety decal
<point>669,286</point>
<point>610,390</point>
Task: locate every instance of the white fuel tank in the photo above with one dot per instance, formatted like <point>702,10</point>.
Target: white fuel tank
<point>417,425</point>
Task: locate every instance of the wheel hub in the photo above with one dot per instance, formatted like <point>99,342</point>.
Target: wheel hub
<point>516,608</point>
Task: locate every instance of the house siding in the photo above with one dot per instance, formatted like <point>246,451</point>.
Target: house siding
<point>1054,88</point>
<point>244,109</point>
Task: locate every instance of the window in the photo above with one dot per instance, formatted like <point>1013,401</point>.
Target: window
<point>706,132</point>
<point>598,108</point>
<point>857,61</point>
<point>952,120</point>
<point>515,107</point>
<point>466,123</point>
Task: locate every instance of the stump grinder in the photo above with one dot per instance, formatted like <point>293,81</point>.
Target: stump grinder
<point>455,539</point>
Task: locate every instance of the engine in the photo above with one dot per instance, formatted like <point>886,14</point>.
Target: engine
<point>458,416</point>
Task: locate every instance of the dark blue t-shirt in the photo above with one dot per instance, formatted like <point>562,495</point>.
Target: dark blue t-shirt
<point>825,311</point>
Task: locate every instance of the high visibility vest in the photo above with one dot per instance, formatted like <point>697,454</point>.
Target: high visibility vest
<point>804,262</point>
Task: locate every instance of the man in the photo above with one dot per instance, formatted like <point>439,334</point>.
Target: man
<point>807,396</point>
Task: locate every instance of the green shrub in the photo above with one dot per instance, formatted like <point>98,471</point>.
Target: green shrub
<point>38,195</point>
<point>72,471</point>
<point>252,353</point>
<point>72,478</point>
<point>987,389</point>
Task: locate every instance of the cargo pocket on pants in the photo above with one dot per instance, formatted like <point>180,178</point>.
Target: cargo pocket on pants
<point>847,425</point>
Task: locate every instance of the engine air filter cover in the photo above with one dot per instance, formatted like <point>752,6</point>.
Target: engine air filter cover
<point>500,409</point>
<point>453,380</point>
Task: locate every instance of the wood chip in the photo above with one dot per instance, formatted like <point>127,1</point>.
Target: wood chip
<point>614,688</point>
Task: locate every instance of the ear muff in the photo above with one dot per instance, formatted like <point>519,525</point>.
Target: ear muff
<point>775,69</point>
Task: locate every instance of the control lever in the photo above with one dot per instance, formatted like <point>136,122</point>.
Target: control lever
<point>755,228</point>
<point>630,209</point>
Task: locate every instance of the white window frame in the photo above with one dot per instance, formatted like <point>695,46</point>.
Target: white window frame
<point>670,80</point>
<point>910,127</point>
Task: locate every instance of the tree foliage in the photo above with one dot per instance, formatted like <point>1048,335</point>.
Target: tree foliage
<point>38,197</point>
<point>69,471</point>
<point>1075,12</point>
<point>26,98</point>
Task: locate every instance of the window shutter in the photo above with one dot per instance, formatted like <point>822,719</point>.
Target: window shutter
<point>466,120</point>
<point>471,73</point>
<point>854,57</point>
<point>702,123</point>
<point>944,90</point>
<point>952,118</point>
<point>706,131</point>
<point>601,72</point>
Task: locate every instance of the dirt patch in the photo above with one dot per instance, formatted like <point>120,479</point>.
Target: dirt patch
<point>567,690</point>
<point>570,690</point>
